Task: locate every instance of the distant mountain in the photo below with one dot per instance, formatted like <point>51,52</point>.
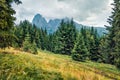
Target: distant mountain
<point>53,24</point>
<point>40,21</point>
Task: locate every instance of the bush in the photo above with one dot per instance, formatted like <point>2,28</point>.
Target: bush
<point>117,63</point>
<point>33,50</point>
<point>30,48</point>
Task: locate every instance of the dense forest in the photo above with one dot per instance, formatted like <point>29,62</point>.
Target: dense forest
<point>81,45</point>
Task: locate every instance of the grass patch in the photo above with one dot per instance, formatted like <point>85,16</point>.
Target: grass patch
<point>49,66</point>
<point>16,67</point>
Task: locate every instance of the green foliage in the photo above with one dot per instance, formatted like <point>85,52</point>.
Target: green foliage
<point>15,67</point>
<point>88,43</point>
<point>94,41</point>
<point>27,43</point>
<point>102,50</point>
<point>6,39</point>
<point>44,39</point>
<point>65,37</point>
<point>80,52</point>
<point>62,41</point>
<point>33,48</point>
<point>6,22</point>
<point>28,46</point>
<point>113,40</point>
<point>29,37</point>
<point>50,66</point>
<point>117,60</point>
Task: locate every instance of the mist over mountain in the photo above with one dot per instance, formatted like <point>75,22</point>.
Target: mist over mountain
<point>52,25</point>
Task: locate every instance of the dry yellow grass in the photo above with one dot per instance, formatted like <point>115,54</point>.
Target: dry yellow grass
<point>69,69</point>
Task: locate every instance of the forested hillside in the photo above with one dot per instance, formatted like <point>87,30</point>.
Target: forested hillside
<point>70,53</point>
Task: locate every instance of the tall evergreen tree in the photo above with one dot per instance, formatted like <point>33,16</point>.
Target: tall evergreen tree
<point>27,42</point>
<point>22,30</point>
<point>66,35</point>
<point>6,22</point>
<point>28,45</point>
<point>43,39</point>
<point>114,35</point>
<point>80,52</point>
<point>94,45</point>
<point>104,55</point>
<point>91,40</point>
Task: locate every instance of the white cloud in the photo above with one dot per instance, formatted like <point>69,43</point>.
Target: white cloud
<point>88,12</point>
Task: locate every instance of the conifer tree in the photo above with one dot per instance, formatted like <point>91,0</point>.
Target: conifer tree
<point>33,48</point>
<point>22,30</point>
<point>43,39</point>
<point>37,38</point>
<point>104,55</point>
<point>66,36</point>
<point>27,43</point>
<point>80,52</point>
<point>114,35</point>
<point>94,45</point>
<point>91,40</point>
<point>6,22</point>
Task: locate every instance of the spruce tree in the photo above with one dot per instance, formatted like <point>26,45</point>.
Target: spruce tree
<point>104,55</point>
<point>6,22</point>
<point>117,33</point>
<point>33,48</point>
<point>27,43</point>
<point>22,30</point>
<point>66,36</point>
<point>94,45</point>
<point>91,39</point>
<point>37,38</point>
<point>43,39</point>
<point>114,35</point>
<point>80,52</point>
<point>29,46</point>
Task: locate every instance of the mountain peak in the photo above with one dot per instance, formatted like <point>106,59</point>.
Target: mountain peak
<point>39,21</point>
<point>38,15</point>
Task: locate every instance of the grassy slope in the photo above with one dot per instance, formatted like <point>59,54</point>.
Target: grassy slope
<point>49,66</point>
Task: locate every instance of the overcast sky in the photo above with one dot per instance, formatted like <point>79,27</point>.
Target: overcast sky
<point>87,12</point>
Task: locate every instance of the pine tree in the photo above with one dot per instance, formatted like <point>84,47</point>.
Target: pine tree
<point>27,43</point>
<point>94,45</point>
<point>51,42</point>
<point>114,35</point>
<point>91,39</point>
<point>104,55</point>
<point>86,36</point>
<point>43,39</point>
<point>80,52</point>
<point>28,46</point>
<point>37,38</point>
<point>66,36</point>
<point>22,30</point>
<point>15,42</point>
<point>33,48</point>
<point>117,33</point>
<point>6,22</point>
<point>55,42</point>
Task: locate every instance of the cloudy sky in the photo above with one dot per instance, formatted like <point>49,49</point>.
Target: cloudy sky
<point>87,12</point>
